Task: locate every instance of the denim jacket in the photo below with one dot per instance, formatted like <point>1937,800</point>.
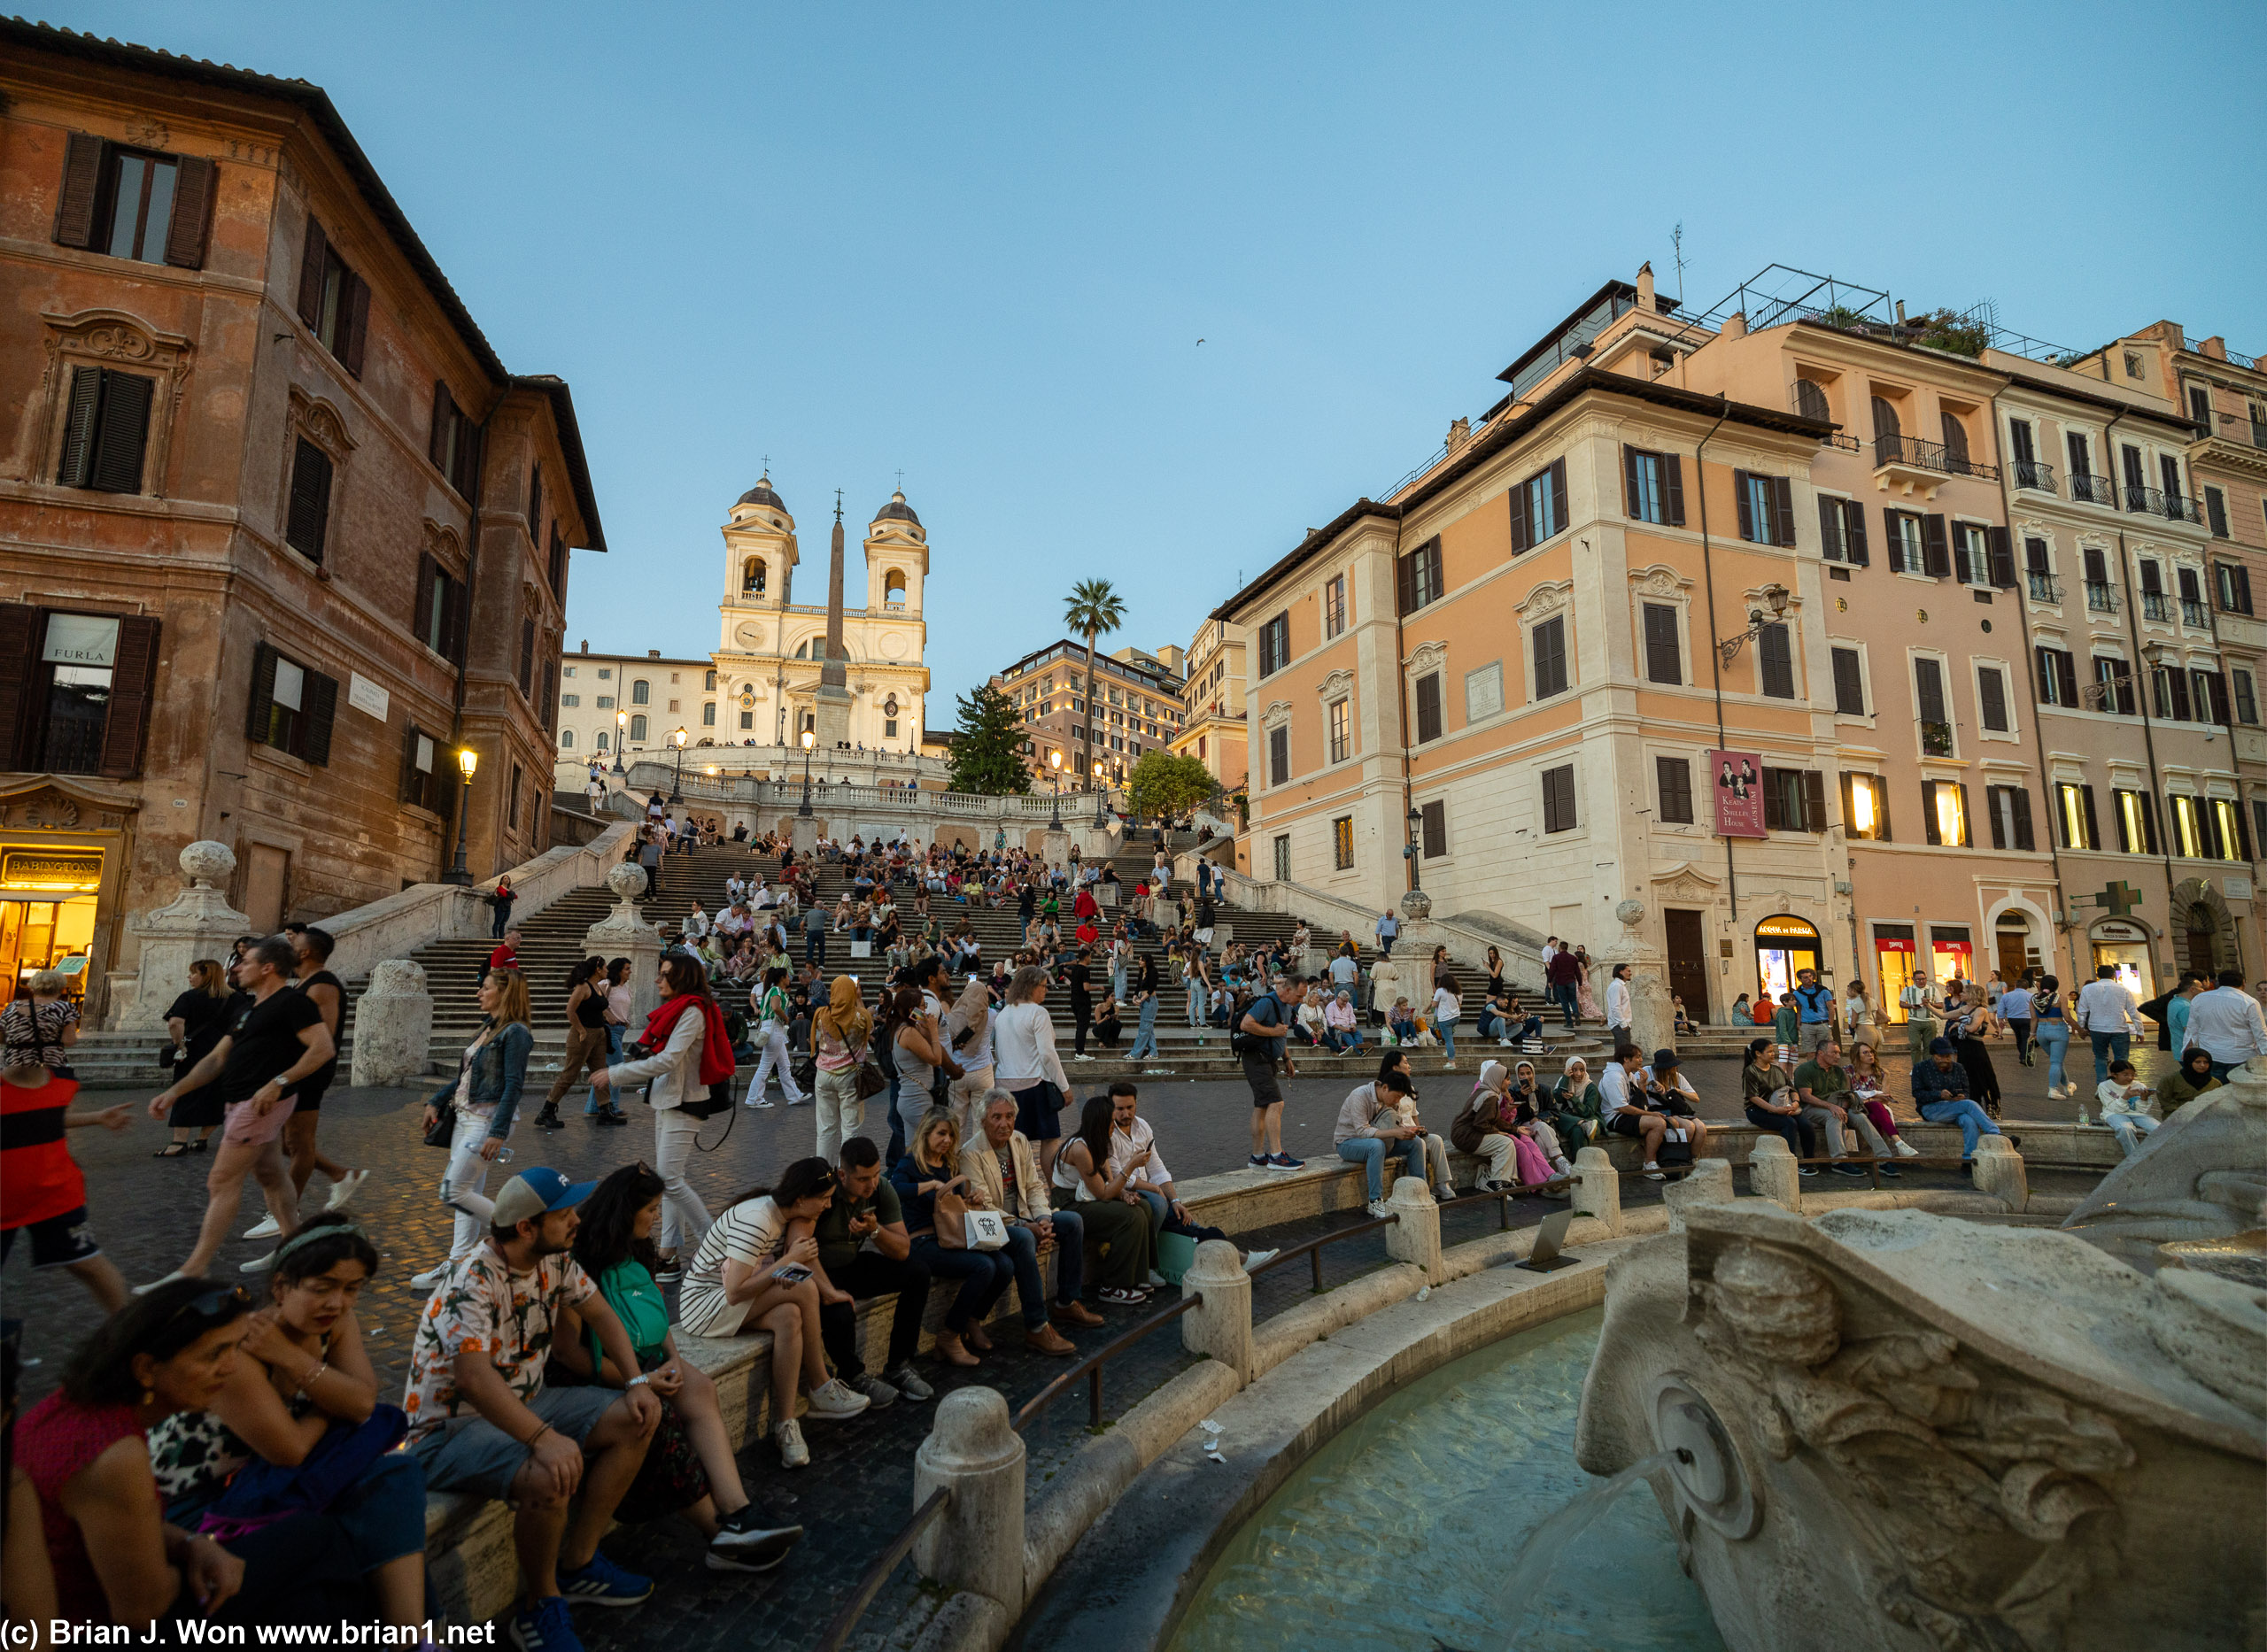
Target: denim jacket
<point>499,1069</point>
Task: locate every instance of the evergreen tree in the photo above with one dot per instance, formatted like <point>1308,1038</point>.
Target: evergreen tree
<point>988,753</point>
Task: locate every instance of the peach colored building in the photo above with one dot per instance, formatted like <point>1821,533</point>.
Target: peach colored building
<point>280,534</point>
<point>1213,730</point>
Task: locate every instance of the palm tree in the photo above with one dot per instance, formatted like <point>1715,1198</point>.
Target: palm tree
<point>1093,609</point>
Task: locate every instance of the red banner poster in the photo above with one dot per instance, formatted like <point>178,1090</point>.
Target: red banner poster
<point>1738,779</point>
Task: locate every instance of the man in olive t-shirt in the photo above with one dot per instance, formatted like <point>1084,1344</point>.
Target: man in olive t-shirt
<point>1822,1085</point>
<point>863,1251</point>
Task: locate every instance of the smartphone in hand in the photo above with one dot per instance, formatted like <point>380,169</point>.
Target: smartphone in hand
<point>793,1273</point>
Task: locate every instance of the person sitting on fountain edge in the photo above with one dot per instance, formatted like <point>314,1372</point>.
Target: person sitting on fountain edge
<point>1940,1093</point>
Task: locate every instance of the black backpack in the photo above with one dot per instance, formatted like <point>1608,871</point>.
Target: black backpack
<point>1242,1043</point>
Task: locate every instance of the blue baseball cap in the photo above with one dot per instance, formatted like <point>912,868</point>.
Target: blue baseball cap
<point>537,1193</point>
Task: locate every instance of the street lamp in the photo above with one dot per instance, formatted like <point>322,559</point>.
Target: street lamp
<point>677,786</point>
<point>1055,788</point>
<point>1774,595</point>
<point>809,740</point>
<point>621,740</point>
<point>467,759</point>
<point>1409,845</point>
<point>1102,798</point>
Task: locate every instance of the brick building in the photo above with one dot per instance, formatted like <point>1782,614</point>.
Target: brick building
<point>279,533</point>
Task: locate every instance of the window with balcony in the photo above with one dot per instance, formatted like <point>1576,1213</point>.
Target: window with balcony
<point>2193,611</point>
<point>2031,471</point>
<point>1955,444</point>
<point>2155,605</point>
<point>2039,571</point>
<point>1944,810</point>
<point>1932,706</point>
<point>2101,595</point>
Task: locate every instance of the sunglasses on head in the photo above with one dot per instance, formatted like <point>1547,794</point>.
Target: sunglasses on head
<point>210,1305</point>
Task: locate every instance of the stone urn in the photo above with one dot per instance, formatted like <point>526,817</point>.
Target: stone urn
<point>1416,906</point>
<point>199,922</point>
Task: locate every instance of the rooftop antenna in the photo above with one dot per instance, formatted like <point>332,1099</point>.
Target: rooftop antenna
<point>1676,244</point>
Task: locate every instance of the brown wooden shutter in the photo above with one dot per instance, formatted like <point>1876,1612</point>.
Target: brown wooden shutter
<point>2066,669</point>
<point>261,706</point>
<point>468,478</point>
<point>1629,492</point>
<point>311,259</point>
<point>1739,497</point>
<point>22,627</point>
<point>1434,827</point>
<point>75,203</point>
<point>1404,598</point>
<point>196,181</point>
<point>1673,488</point>
<point>315,721</point>
<point>1814,801</point>
<point>422,620</point>
<point>459,620</point>
<point>1936,551</point>
<point>1774,804</point>
<point>1991,807</point>
<point>527,656</point>
<point>535,505</point>
<point>1853,521</point>
<point>551,697</point>
<point>1929,811</point>
<point>124,432</point>
<point>133,687</point>
<point>1829,528</point>
<point>308,522</point>
<point>2003,552</point>
<point>354,324</point>
<point>1962,569</point>
<point>80,425</point>
<point>1782,511</point>
<point>436,437</point>
<point>1559,495</point>
<point>1522,530</point>
<point>1428,706</point>
<point>408,791</point>
<point>2024,838</point>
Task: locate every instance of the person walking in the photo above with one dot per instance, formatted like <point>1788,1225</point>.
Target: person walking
<point>840,1033</point>
<point>1028,1066</point>
<point>772,1012</point>
<point>1813,1013</point>
<point>1561,975</point>
<point>276,1041</point>
<point>500,900</point>
<point>2109,1017</point>
<point>2051,1026</point>
<point>41,1023</point>
<point>1389,929</point>
<point>2015,1008</point>
<point>2227,1023</point>
<point>195,1022</point>
<point>586,1046</point>
<point>1448,1005</point>
<point>690,1051</point>
<point>43,1192</point>
<point>1618,1007</point>
<point>485,1101</point>
<point>1145,1041</point>
<point>1264,1034</point>
<point>1080,980</point>
<point>312,950</point>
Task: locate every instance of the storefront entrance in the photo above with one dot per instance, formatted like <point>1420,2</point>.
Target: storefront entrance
<point>47,914</point>
<point>1952,955</point>
<point>2123,946</point>
<point>1784,945</point>
<point>1894,956</point>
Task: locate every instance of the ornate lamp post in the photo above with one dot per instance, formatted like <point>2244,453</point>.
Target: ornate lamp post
<point>677,786</point>
<point>621,740</point>
<point>1102,798</point>
<point>1774,595</point>
<point>467,759</point>
<point>1055,789</point>
<point>809,739</point>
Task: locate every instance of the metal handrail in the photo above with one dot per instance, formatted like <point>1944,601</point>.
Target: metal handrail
<point>1313,1247</point>
<point>846,1620</point>
<point>1090,1367</point>
<point>2035,474</point>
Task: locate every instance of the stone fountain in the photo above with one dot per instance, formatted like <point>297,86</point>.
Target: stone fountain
<point>1913,1432</point>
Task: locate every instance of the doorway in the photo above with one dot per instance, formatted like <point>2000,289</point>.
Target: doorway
<point>1784,947</point>
<point>1688,961</point>
<point>2011,945</point>
<point>2200,940</point>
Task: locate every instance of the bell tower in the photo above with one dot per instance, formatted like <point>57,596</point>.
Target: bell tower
<point>760,558</point>
<point>897,560</point>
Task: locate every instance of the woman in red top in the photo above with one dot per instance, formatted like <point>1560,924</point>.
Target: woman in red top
<point>41,1186</point>
<point>86,1452</point>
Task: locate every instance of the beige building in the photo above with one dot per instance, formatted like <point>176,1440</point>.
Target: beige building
<point>1212,731</point>
<point>630,704</point>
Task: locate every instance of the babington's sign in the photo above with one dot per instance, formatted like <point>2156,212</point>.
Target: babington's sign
<point>49,868</point>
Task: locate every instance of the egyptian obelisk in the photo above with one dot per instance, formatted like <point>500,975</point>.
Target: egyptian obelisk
<point>832,707</point>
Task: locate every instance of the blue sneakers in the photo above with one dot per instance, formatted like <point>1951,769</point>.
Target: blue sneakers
<point>1285,1161</point>
<point>1260,1161</point>
<point>547,1626</point>
<point>602,1583</point>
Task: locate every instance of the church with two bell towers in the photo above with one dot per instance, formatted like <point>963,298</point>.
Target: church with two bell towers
<point>773,679</point>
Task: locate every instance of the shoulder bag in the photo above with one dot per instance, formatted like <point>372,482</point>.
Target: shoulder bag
<point>960,1228</point>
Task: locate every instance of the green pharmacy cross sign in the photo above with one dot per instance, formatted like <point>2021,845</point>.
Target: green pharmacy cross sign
<point>2119,899</point>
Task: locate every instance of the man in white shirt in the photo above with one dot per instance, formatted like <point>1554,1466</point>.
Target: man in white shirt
<point>1621,1107</point>
<point>2226,1023</point>
<point>1617,1004</point>
<point>734,888</point>
<point>1919,1017</point>
<point>2110,1017</point>
<point>696,923</point>
<point>1131,1139</point>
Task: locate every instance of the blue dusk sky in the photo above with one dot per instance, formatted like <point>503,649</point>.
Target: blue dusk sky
<point>979,244</point>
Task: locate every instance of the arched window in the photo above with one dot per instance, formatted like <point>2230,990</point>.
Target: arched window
<point>1810,400</point>
<point>709,715</point>
<point>894,587</point>
<point>637,725</point>
<point>803,649</point>
<point>1886,426</point>
<point>566,739</point>
<point>640,694</point>
<point>754,573</point>
<point>606,741</point>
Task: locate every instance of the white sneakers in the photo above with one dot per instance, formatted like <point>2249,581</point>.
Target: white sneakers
<point>265,1228</point>
<point>430,1278</point>
<point>144,1290</point>
<point>1253,1262</point>
<point>258,1264</point>
<point>1445,1192</point>
<point>1906,1149</point>
<point>342,1191</point>
<point>1377,1207</point>
<point>837,1398</point>
<point>792,1453</point>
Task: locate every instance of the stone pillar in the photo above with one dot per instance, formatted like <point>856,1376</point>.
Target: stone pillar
<point>393,1025</point>
<point>1054,849</point>
<point>1999,1171</point>
<point>1222,1326</point>
<point>1710,1182</point>
<point>622,933</point>
<point>803,833</point>
<point>198,923</point>
<point>977,1542</point>
<point>1416,1237</point>
<point>1652,1019</point>
<point>1597,1187</point>
<point>1773,1173</point>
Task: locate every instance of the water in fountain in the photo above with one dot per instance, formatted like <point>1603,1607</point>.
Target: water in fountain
<point>1522,1594</point>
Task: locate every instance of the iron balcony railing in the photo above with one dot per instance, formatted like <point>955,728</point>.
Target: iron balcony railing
<point>2147,500</point>
<point>1936,738</point>
<point>2033,474</point>
<point>2157,605</point>
<point>2193,614</point>
<point>2046,588</point>
<point>2092,489</point>
<point>1906,450</point>
<point>2180,508</point>
<point>2101,596</point>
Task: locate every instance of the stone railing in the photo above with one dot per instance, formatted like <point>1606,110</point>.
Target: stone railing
<point>1327,914</point>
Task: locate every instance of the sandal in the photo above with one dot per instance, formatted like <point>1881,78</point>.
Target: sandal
<point>172,1150</point>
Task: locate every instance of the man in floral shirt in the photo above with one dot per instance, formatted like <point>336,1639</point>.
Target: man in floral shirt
<point>481,1420</point>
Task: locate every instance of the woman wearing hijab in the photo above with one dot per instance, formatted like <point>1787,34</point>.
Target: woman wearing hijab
<point>1488,1127</point>
<point>2192,1078</point>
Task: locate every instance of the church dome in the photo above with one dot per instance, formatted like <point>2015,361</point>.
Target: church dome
<point>762,494</point>
<point>897,510</point>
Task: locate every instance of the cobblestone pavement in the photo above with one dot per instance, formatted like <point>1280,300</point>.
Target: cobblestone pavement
<point>858,1491</point>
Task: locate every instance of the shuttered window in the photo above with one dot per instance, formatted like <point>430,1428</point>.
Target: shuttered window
<point>1767,508</point>
<point>2247,695</point>
<point>421,776</point>
<point>1992,699</point>
<point>1664,659</point>
<point>1433,830</point>
<point>1842,531</point>
<point>1810,401</point>
<point>1907,552</point>
<point>292,707</point>
<point>135,203</point>
<point>105,430</point>
<point>1776,661</point>
<point>1654,487</point>
<point>1428,707</point>
<point>334,301</point>
<point>1936,554</point>
<point>527,657</point>
<point>2215,511</point>
<point>1929,691</point>
<point>2009,807</point>
<point>441,616</point>
<point>1849,684</point>
<point>2234,586</point>
<point>1275,645</point>
<point>1673,780</point>
<point>452,442</point>
<point>308,520</point>
<point>76,690</point>
<point>1558,798</point>
<point>1539,506</point>
<point>1944,811</point>
<point>1550,652</point>
<point>535,504</point>
<point>2115,678</point>
<point>1279,756</point>
<point>550,701</point>
<point>557,569</point>
<point>1865,807</point>
<point>1417,576</point>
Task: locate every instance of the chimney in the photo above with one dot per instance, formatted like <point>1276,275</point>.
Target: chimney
<point>586,645</point>
<point>1900,313</point>
<point>1459,433</point>
<point>2216,347</point>
<point>1645,285</point>
<point>653,653</point>
<point>1734,325</point>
